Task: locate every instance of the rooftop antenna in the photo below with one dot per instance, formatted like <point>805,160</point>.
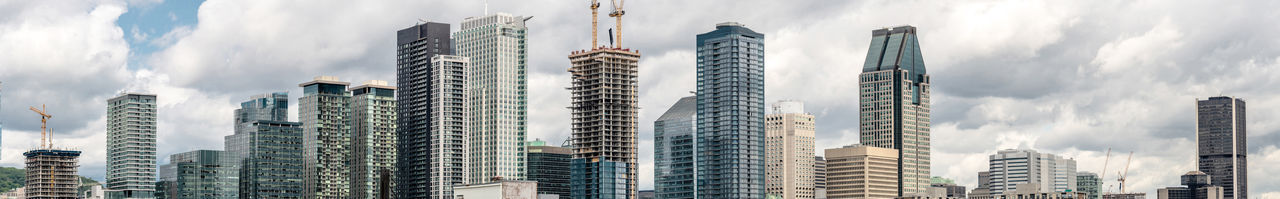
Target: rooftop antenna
<point>486,7</point>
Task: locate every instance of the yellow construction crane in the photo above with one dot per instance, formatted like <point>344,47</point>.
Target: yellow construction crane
<point>617,14</point>
<point>595,5</point>
<point>1126,172</point>
<point>1103,178</point>
<point>44,121</point>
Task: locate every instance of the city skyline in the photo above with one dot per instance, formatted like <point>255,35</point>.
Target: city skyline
<point>1063,86</point>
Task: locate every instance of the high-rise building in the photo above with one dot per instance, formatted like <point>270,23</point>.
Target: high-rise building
<point>266,150</point>
<point>819,177</point>
<point>605,106</point>
<point>1221,140</point>
<point>325,114</point>
<point>730,137</point>
<point>1088,182</point>
<point>549,166</point>
<point>673,150</point>
<point>131,146</point>
<point>1010,167</point>
<point>373,138</point>
<point>984,182</point>
<point>1197,187</point>
<point>789,151</point>
<point>894,90</point>
<point>862,172</point>
<point>415,46</point>
<point>52,173</point>
<point>450,143</point>
<point>496,46</point>
<point>196,174</point>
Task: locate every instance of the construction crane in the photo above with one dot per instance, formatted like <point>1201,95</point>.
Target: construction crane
<point>595,5</point>
<point>617,14</point>
<point>1102,179</point>
<point>44,121</point>
<point>1126,172</point>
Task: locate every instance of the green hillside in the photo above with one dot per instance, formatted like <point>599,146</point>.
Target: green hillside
<point>11,178</point>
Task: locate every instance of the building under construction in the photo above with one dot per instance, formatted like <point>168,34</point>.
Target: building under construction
<point>605,106</point>
<point>51,173</point>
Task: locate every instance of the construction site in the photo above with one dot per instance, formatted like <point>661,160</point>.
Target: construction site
<point>51,173</point>
<point>605,109</point>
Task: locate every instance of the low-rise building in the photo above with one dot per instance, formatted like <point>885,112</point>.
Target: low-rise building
<point>498,189</point>
<point>1197,187</point>
<point>1032,190</point>
<point>862,172</point>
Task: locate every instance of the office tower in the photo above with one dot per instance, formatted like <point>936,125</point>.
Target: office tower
<point>549,166</point>
<point>983,189</point>
<point>266,150</point>
<point>324,111</point>
<point>51,173</point>
<point>894,90</point>
<point>448,124</point>
<point>131,146</point>
<point>862,172</point>
<point>415,46</point>
<point>1087,182</point>
<point>730,135</point>
<point>167,183</point>
<point>1220,135</point>
<point>196,174</point>
<point>789,151</point>
<point>819,177</point>
<point>373,137</point>
<point>673,150</point>
<point>498,95</point>
<point>1010,167</point>
<point>604,109</point>
<point>1197,186</point>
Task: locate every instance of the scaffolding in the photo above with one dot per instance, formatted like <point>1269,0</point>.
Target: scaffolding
<point>51,174</point>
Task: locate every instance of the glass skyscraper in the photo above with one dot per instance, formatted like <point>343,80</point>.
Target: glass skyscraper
<point>373,141</point>
<point>265,155</point>
<point>196,174</point>
<point>498,95</point>
<point>549,166</point>
<point>673,150</point>
<point>131,146</point>
<point>730,121</point>
<point>324,111</point>
<point>414,48</point>
<point>894,104</point>
<point>1220,135</point>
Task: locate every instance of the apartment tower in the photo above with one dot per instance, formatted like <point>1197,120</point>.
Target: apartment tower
<point>496,46</point>
<point>450,143</point>
<point>326,132</point>
<point>605,106</point>
<point>373,138</point>
<point>52,173</point>
<point>131,146</point>
<point>1221,141</point>
<point>673,150</point>
<point>789,155</point>
<point>415,46</point>
<point>730,136</point>
<point>894,90</point>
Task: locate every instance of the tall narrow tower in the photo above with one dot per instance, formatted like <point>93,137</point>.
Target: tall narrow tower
<point>894,90</point>
<point>789,159</point>
<point>450,143</point>
<point>497,83</point>
<point>373,142</point>
<point>131,146</point>
<point>414,48</point>
<point>730,138</point>
<point>604,109</point>
<point>325,115</point>
<point>1220,135</point>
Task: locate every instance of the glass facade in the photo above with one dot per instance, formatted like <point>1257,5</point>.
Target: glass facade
<point>414,48</point>
<point>1221,140</point>
<point>673,149</point>
<point>131,146</point>
<point>894,104</point>
<point>273,167</point>
<point>496,46</point>
<point>246,148</point>
<point>325,114</point>
<point>1088,183</point>
<point>549,166</point>
<point>373,141</point>
<point>730,118</point>
<point>196,174</point>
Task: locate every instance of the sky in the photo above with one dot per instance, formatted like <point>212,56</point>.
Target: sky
<point>1073,78</point>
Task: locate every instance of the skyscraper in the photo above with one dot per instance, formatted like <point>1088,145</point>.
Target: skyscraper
<point>373,137</point>
<point>789,151</point>
<point>449,122</point>
<point>51,173</point>
<point>605,106</point>
<point>131,146</point>
<point>197,174</point>
<point>414,48</point>
<point>1010,168</point>
<point>497,84</point>
<point>1220,135</point>
<point>894,90</point>
<point>861,172</point>
<point>549,166</point>
<point>324,111</point>
<point>730,137</point>
<point>1087,182</point>
<point>819,177</point>
<point>673,150</point>
<point>265,154</point>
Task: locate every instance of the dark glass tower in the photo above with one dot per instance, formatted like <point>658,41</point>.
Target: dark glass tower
<point>673,150</point>
<point>265,153</point>
<point>239,146</point>
<point>414,48</point>
<point>1220,135</point>
<point>894,104</point>
<point>549,166</point>
<point>730,136</point>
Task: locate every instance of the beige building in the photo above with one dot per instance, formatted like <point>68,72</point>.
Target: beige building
<point>789,158</point>
<point>498,189</point>
<point>862,172</point>
<point>1033,190</point>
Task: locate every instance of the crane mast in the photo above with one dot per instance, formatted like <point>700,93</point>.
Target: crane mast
<point>617,15</point>
<point>1102,179</point>
<point>46,140</point>
<point>1126,172</point>
<point>595,5</point>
